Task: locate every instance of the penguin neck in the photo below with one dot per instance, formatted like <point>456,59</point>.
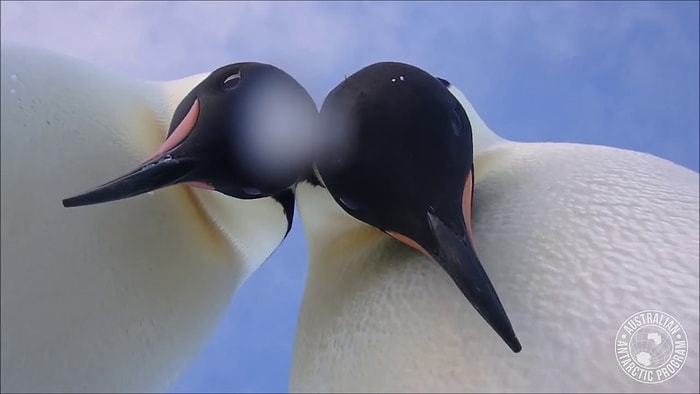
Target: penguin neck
<point>331,234</point>
<point>250,229</point>
<point>485,141</point>
<point>174,91</point>
<point>483,137</point>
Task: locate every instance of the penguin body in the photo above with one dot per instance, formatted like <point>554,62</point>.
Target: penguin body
<point>575,239</point>
<point>120,296</point>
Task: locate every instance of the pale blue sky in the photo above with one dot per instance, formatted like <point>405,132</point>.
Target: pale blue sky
<point>620,74</point>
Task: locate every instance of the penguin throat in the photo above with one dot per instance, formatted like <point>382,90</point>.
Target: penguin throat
<point>327,227</point>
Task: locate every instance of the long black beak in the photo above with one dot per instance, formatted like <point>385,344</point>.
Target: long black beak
<point>157,173</point>
<point>457,256</point>
<point>173,163</point>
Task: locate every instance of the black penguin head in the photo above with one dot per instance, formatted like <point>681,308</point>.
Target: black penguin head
<point>235,132</point>
<point>403,164</point>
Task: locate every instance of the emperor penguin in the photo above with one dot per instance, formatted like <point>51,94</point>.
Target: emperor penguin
<point>444,258</point>
<point>120,297</point>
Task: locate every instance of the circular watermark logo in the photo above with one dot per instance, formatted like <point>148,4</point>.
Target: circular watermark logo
<point>651,346</point>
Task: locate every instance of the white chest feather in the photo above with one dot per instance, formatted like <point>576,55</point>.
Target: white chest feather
<point>574,238</point>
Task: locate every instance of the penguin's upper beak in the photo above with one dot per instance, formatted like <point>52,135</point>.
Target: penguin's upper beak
<point>174,162</point>
<point>452,248</point>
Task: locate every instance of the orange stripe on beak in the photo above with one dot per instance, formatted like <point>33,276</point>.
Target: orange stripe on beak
<point>466,213</point>
<point>467,205</point>
<point>409,242</point>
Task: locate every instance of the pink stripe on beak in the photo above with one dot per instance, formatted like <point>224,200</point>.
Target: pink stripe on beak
<point>181,131</point>
<point>466,213</point>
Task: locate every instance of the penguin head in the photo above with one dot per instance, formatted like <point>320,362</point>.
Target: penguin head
<point>403,163</point>
<point>240,131</point>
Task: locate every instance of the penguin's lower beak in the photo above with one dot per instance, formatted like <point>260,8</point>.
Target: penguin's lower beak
<point>457,256</point>
<point>454,251</point>
<point>169,166</point>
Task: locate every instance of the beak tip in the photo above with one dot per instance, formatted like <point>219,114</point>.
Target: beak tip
<point>77,201</point>
<point>505,330</point>
<point>68,202</point>
<point>514,344</point>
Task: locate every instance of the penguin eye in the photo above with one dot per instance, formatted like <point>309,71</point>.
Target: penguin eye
<point>232,81</point>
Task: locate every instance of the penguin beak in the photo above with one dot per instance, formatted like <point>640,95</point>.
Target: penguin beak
<point>169,165</point>
<point>456,255</point>
<point>155,174</point>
